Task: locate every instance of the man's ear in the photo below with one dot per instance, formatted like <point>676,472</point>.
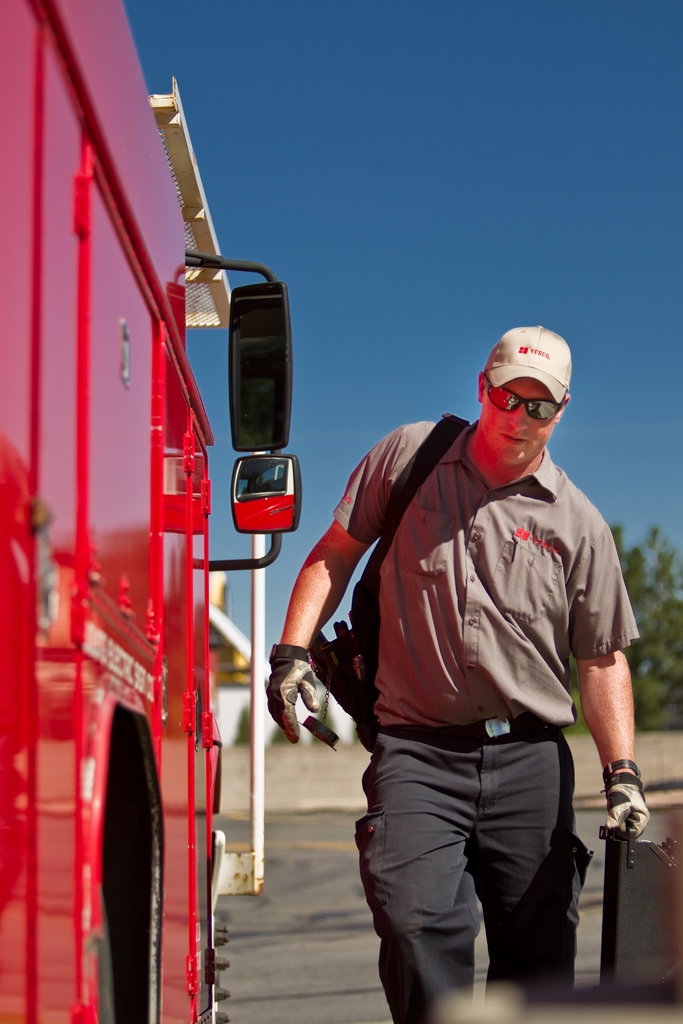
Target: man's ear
<point>482,387</point>
<point>558,417</point>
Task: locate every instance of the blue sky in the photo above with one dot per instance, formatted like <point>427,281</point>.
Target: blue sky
<point>425,177</point>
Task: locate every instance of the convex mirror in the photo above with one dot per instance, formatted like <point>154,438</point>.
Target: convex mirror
<point>266,494</point>
<point>260,359</point>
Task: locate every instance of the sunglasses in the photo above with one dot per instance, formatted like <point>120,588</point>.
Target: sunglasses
<point>537,408</point>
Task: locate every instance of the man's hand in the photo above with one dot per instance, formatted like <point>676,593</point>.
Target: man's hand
<point>291,675</point>
<point>607,704</point>
<point>626,805</point>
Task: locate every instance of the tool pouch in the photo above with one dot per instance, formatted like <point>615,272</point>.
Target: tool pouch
<point>340,665</point>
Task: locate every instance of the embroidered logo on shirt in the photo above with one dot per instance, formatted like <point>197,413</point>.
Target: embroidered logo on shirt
<point>527,535</point>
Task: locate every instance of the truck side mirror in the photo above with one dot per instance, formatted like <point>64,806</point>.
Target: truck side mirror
<point>266,494</point>
<point>260,362</point>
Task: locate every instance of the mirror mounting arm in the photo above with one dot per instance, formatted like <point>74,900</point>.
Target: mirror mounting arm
<point>215,262</point>
<point>212,261</point>
<point>234,564</point>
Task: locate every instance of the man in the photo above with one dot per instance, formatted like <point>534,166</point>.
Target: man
<point>500,568</point>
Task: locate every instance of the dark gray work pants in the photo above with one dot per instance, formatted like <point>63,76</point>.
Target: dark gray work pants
<point>452,818</point>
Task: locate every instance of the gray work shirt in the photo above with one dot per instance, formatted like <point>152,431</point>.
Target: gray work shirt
<point>485,592</point>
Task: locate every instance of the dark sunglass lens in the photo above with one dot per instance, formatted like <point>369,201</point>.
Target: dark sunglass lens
<point>541,410</point>
<point>537,408</point>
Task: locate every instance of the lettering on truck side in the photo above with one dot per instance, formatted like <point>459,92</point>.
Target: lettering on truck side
<point>106,652</point>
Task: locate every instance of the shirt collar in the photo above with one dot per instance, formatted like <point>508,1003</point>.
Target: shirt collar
<point>546,476</point>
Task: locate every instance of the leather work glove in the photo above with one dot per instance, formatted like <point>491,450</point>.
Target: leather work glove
<point>626,807</point>
<point>291,675</point>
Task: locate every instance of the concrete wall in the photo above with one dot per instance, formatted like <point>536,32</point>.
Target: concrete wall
<point>298,778</point>
<point>308,778</point>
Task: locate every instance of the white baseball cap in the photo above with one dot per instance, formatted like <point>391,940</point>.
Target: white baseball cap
<point>531,352</point>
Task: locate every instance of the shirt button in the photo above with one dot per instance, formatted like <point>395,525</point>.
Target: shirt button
<point>473,577</point>
<point>476,536</point>
<point>471,621</point>
<point>480,708</point>
<point>470,668</point>
<point>489,494</point>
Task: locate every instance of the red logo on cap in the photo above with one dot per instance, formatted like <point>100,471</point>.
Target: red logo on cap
<point>534,351</point>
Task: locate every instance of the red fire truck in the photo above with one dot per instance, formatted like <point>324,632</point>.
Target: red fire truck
<point>109,753</point>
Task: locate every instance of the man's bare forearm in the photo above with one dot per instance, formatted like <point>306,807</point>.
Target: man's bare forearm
<point>607,705</point>
<point>321,584</point>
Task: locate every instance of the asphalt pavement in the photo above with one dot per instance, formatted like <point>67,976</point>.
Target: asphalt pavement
<point>306,952</point>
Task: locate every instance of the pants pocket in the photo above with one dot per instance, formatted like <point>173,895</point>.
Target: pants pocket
<point>370,843</point>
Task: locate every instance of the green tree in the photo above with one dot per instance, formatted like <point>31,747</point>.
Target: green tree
<point>580,724</point>
<point>243,727</point>
<point>277,736</point>
<point>653,572</point>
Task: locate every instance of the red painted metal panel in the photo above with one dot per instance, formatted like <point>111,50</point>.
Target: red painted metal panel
<point>29,695</point>
<point>205,747</point>
<point>82,504</point>
<point>96,46</point>
<point>112,527</point>
<point>19,78</point>
<point>156,540</point>
<point>203,731</point>
<point>103,50</point>
<point>174,761</point>
<point>55,667</point>
<point>113,552</point>
<point>17,73</point>
<point>57,484</point>
<point>120,418</point>
<point>83,556</point>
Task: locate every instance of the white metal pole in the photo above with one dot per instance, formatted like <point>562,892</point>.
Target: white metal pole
<point>258,702</point>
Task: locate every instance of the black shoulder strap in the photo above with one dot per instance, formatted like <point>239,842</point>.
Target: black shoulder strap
<point>425,459</point>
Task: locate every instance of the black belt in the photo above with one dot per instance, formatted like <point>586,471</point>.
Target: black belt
<point>526,722</point>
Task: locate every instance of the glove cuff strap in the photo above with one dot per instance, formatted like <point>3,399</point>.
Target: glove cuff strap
<point>623,778</point>
<point>288,651</point>
<point>613,766</point>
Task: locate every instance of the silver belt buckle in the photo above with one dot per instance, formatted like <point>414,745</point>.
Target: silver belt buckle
<point>497,727</point>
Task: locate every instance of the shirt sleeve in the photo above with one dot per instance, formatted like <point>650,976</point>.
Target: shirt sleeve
<point>601,619</point>
<point>362,509</point>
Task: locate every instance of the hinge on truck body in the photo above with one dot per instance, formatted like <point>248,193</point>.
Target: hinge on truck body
<point>191,974</point>
<point>82,182</point>
<point>189,712</point>
<point>188,453</point>
<point>206,496</point>
<point>207,730</point>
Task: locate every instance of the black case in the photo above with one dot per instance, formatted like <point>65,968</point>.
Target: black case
<point>637,934</point>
